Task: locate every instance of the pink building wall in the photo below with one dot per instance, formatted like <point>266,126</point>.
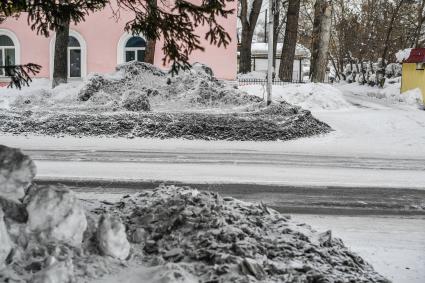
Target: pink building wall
<point>102,33</point>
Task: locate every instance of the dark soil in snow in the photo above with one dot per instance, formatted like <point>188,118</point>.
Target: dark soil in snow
<point>285,124</point>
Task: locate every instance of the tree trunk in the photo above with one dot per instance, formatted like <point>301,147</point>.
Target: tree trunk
<point>276,30</point>
<point>248,26</point>
<point>420,19</point>
<point>150,45</point>
<point>60,62</point>
<point>150,52</point>
<point>245,53</point>
<point>320,42</point>
<point>389,31</point>
<point>290,42</point>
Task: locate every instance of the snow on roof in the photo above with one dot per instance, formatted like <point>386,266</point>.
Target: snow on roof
<point>402,55</point>
<point>262,48</point>
<point>417,55</point>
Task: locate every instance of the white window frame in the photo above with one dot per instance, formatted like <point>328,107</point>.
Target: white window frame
<point>121,49</point>
<point>69,61</point>
<point>83,47</point>
<point>134,49</point>
<point>17,47</point>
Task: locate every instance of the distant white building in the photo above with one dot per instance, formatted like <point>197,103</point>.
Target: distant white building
<point>259,53</point>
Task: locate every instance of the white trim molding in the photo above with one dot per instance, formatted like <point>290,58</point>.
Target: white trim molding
<point>83,46</point>
<point>121,46</point>
<point>15,40</point>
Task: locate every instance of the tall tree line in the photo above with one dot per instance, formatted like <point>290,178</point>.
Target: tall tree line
<point>346,32</point>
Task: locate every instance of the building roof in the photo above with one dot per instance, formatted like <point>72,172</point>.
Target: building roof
<point>261,48</point>
<point>417,55</point>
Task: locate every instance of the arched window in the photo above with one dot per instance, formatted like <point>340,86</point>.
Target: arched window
<point>74,58</point>
<point>134,49</point>
<point>7,53</point>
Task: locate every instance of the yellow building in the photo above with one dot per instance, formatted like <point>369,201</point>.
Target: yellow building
<point>414,71</point>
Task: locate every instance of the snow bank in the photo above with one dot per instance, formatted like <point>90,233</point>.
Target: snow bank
<point>39,95</point>
<point>309,96</point>
<point>194,89</point>
<point>390,92</point>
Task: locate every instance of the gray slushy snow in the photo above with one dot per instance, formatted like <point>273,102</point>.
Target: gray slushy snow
<point>111,237</point>
<point>55,272</point>
<point>6,245</point>
<point>55,213</point>
<point>16,173</point>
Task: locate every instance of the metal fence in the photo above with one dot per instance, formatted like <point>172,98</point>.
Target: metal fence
<point>243,82</point>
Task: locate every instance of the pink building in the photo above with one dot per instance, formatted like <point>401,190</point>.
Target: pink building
<point>100,43</point>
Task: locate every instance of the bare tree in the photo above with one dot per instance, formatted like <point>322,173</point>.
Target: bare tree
<point>249,12</point>
<point>290,41</point>
<point>420,23</point>
<point>394,14</point>
<point>321,38</point>
<point>279,20</point>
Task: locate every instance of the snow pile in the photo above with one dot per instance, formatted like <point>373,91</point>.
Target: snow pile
<point>181,235</point>
<point>140,100</point>
<point>226,240</point>
<point>310,96</point>
<point>39,95</point>
<point>402,55</point>
<point>192,89</point>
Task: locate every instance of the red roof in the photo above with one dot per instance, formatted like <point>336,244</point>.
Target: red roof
<point>417,55</point>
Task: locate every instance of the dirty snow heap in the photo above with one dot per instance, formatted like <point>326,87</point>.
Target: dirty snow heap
<point>177,234</point>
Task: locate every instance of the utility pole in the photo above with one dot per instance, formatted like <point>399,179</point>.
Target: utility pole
<point>270,53</point>
<point>265,26</point>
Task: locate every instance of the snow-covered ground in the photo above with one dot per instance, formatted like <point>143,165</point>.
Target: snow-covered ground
<point>364,127</point>
<point>367,125</point>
